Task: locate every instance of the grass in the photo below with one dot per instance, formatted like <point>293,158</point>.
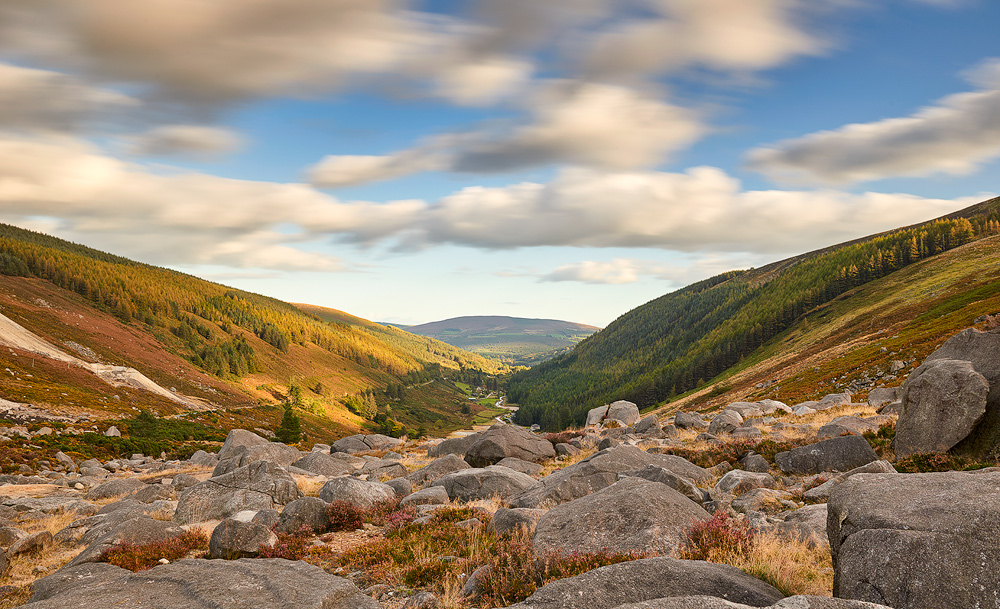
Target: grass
<point>139,557</point>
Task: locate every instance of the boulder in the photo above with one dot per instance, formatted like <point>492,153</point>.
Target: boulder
<point>807,523</point>
<point>273,452</point>
<point>917,541</point>
<point>601,470</point>
<point>943,401</point>
<point>632,515</point>
<point>324,465</point>
<point>198,583</point>
<point>382,469</point>
<point>764,500</point>
<point>822,492</point>
<point>435,469</point>
<point>686,420</point>
<point>745,409</point>
<point>832,400</point>
<point>236,440</point>
<point>31,543</point>
<point>305,512</point>
<point>402,486</point>
<point>755,463</point>
<point>119,487</point>
<point>655,473</point>
<point>140,530</point>
<point>791,602</point>
<point>483,483</point>
<point>625,412</point>
<point>432,495</point>
<point>568,450</point>
<point>841,454</point>
<point>772,406</point>
<point>204,459</point>
<point>725,422</point>
<point>505,520</point>
<point>738,481</point>
<point>364,443</point>
<point>233,538</point>
<point>648,579</point>
<point>520,465</point>
<point>647,423</point>
<point>358,493</point>
<point>501,441</point>
<point>260,485</point>
<point>454,446</point>
<point>880,396</point>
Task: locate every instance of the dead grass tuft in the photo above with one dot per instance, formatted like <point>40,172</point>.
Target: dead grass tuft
<point>309,485</point>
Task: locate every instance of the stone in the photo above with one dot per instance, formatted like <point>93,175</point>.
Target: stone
<point>520,465</point>
<point>566,450</point>
<point>647,423</point>
<point>833,400</point>
<point>248,583</point>
<point>119,487</point>
<point>10,534</point>
<point>233,538</point>
<point>822,492</point>
<point>791,602</point>
<point>360,443</point>
<point>31,543</point>
<point>686,420</point>
<point>402,486</point>
<point>272,452</point>
<point>601,470</point>
<point>267,518</point>
<point>842,454</point>
<point>648,579</point>
<point>512,519</point>
<point>659,474</point>
<point>183,481</point>
<point>771,406</point>
<point>943,401</point>
<point>738,481</point>
<point>632,515</point>
<point>444,464</point>
<point>500,441</point>
<point>260,485</point>
<point>236,440</point>
<point>764,500</point>
<point>725,422</point>
<point>382,469</point>
<point>454,446</point>
<point>432,495</point>
<point>880,396</point>
<point>743,432</point>
<point>305,512</point>
<point>359,493</point>
<point>112,432</point>
<point>625,412</point>
<point>807,523</point>
<point>917,541</point>
<point>140,530</point>
<point>755,463</point>
<point>421,600</point>
<point>745,409</point>
<point>484,483</point>
<point>324,465</point>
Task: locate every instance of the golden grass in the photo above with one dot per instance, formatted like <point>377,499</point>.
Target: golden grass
<point>790,565</point>
<point>22,567</point>
<point>309,485</point>
<point>53,523</point>
<point>563,462</point>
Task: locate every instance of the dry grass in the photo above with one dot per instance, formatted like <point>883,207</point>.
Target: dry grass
<point>309,485</point>
<point>791,566</point>
<point>563,462</point>
<point>23,566</point>
<point>53,523</point>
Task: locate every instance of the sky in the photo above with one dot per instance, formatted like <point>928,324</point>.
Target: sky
<point>410,161</point>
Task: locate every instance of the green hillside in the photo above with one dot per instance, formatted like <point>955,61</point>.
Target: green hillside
<point>683,340</point>
<point>511,340</point>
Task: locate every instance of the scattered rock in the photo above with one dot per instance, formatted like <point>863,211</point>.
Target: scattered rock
<point>500,441</point>
<point>305,512</point>
<point>505,520</point>
<point>358,493</point>
<point>625,412</point>
<point>725,422</point>
<point>738,481</point>
<point>432,495</point>
<point>233,538</point>
<point>324,465</point>
<point>483,483</point>
<point>260,485</point>
<point>686,420</point>
<point>454,446</point>
<point>520,465</point>
<point>437,468</point>
<point>841,454</point>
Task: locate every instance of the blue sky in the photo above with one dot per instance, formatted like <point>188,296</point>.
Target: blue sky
<point>415,161</point>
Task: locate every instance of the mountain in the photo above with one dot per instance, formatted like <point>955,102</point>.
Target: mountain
<point>88,333</point>
<point>511,340</point>
<point>709,331</point>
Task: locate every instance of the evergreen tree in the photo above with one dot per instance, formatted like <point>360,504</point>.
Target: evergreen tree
<point>290,429</point>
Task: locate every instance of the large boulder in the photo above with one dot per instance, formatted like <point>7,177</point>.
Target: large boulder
<point>306,512</point>
<point>632,515</point>
<point>943,401</point>
<point>233,538</point>
<point>358,493</point>
<point>687,420</point>
<point>324,465</point>
<point>601,470</point>
<point>363,443</point>
<point>237,440</point>
<point>655,473</point>
<point>501,441</point>
<point>711,602</point>
<point>838,454</point>
<point>274,452</point>
<point>454,446</point>
<point>917,541</point>
<point>248,583</point>
<point>483,483</point>
<point>622,411</point>
<point>118,487</point>
<point>725,422</point>
<point>648,579</point>
<point>437,468</point>
<point>258,486</point>
<point>880,396</point>
<point>140,530</point>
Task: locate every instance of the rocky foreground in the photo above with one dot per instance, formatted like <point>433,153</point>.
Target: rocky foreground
<point>896,540</point>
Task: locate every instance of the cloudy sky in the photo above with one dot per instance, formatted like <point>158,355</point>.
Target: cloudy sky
<point>412,161</point>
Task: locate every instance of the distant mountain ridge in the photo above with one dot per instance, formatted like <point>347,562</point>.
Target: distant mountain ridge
<point>512,340</point>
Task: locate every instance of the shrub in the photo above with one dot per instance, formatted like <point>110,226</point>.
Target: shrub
<point>344,516</point>
<point>718,539</point>
<point>291,546</point>
<point>139,557</point>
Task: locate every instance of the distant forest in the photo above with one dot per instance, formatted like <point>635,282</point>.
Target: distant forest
<point>680,341</point>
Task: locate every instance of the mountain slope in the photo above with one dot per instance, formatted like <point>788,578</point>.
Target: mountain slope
<point>513,340</point>
<point>680,341</point>
<point>226,348</point>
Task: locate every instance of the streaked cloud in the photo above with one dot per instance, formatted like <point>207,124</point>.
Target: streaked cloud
<point>186,140</point>
<point>953,136</point>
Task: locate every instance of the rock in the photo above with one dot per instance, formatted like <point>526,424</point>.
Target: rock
<point>745,409</point>
<point>656,473</point>
<point>4,565</point>
<point>198,583</point>
<point>915,541</point>
<point>566,450</point>
<point>943,401</point>
<point>725,422</point>
<point>607,443</point>
<point>880,396</point>
<point>204,459</point>
<point>272,452</point>
<point>454,446</point>
<point>382,469</point>
<point>236,440</point>
<point>822,492</point>
<point>432,495</point>
<point>765,500</point>
<point>260,485</point>
<point>140,530</point>
<point>843,453</point>
<point>305,512</point>
<point>791,602</point>
<point>358,493</point>
<point>118,487</point>
<point>520,465</point>
<point>648,579</point>
<point>832,400</point>
<point>506,520</point>
<point>632,515</point>
<point>30,544</point>
<point>66,461</point>
<point>438,467</point>
<point>10,534</point>
<point>324,465</point>
<point>647,423</point>
<point>154,492</point>
<point>772,406</point>
<point>625,412</point>
<point>364,443</point>
<point>755,463</point>
<point>500,441</point>
<point>473,587</point>
<point>421,600</point>
<point>807,523</point>
<point>483,483</point>
<point>232,539</point>
<point>267,518</point>
<point>112,432</point>
<point>598,471</point>
<point>744,432</point>
<point>803,410</point>
<point>402,486</point>
<point>183,481</point>
<point>686,420</point>
<point>738,481</point>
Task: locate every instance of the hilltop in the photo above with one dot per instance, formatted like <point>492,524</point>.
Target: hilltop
<point>731,336</point>
<point>512,340</point>
<point>215,355</point>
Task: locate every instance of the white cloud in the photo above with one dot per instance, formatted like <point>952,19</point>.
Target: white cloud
<point>954,136</point>
<point>182,140</point>
<point>617,271</point>
<point>33,99</point>
<point>680,270</point>
<point>337,171</point>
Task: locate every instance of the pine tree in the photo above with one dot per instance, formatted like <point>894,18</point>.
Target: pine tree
<point>290,429</point>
